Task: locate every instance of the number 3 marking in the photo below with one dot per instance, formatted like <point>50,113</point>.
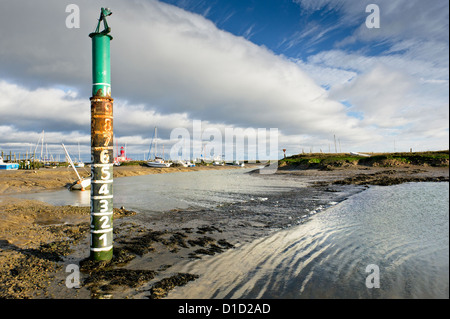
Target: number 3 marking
<point>103,206</point>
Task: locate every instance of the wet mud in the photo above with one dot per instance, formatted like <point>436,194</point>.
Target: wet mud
<point>38,241</point>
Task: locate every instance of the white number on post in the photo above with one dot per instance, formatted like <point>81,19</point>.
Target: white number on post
<point>104,220</point>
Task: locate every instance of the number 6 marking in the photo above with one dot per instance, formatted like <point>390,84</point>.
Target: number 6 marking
<point>104,157</point>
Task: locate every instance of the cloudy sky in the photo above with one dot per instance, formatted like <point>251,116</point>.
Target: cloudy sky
<point>310,68</point>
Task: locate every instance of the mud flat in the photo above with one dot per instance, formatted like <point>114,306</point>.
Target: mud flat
<point>360,175</point>
<point>38,241</point>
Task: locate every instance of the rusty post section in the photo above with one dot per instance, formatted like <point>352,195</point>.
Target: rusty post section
<point>101,246</point>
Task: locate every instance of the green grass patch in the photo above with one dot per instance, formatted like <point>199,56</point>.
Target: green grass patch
<point>133,163</point>
<point>437,158</point>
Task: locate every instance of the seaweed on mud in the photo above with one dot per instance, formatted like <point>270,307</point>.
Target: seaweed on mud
<point>100,283</point>
<point>178,238</point>
<point>142,244</point>
<point>119,277</point>
<point>52,251</point>
<point>202,241</point>
<point>120,257</point>
<point>161,288</point>
<point>103,277</point>
<point>211,250</point>
<point>224,243</point>
<point>210,246</point>
<point>208,228</point>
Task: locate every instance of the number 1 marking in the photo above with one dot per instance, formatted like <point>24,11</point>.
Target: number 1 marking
<point>103,238</point>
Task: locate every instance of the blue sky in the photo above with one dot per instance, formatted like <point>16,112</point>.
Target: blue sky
<point>284,26</point>
<point>275,24</point>
<point>310,68</point>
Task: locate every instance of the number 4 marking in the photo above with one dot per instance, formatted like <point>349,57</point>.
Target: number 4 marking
<point>104,189</point>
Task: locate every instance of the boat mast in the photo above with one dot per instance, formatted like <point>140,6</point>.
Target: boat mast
<point>70,161</point>
<point>42,145</point>
<point>156,142</point>
<point>37,144</point>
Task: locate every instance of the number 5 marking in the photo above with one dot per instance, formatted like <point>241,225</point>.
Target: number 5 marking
<point>105,170</point>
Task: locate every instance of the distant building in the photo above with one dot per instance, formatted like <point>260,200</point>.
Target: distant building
<point>121,157</point>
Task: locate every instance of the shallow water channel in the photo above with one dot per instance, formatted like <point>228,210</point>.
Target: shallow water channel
<point>385,242</point>
<point>161,192</point>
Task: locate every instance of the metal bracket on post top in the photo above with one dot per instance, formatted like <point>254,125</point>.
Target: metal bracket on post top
<point>105,12</point>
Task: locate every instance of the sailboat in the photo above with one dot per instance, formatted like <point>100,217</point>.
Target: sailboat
<point>80,162</point>
<point>158,161</point>
<point>82,183</point>
<point>186,163</point>
<point>359,154</point>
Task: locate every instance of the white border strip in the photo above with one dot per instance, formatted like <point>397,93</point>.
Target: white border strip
<point>100,181</point>
<point>107,84</point>
<point>102,214</point>
<point>102,165</point>
<point>102,249</point>
<point>102,197</point>
<point>101,231</point>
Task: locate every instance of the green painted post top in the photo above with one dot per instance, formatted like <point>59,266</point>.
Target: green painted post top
<point>101,65</point>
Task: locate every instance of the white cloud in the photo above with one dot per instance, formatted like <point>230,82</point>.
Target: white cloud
<point>29,109</point>
<point>381,95</point>
<point>178,63</point>
<point>170,66</point>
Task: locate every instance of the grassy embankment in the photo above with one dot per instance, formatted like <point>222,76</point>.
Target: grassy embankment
<point>330,161</point>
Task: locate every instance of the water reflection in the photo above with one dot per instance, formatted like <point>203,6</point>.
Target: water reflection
<point>160,192</point>
<point>402,229</point>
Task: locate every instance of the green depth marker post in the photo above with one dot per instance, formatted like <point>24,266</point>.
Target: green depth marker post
<point>102,157</point>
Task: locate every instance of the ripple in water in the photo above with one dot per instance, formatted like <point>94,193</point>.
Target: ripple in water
<point>403,229</point>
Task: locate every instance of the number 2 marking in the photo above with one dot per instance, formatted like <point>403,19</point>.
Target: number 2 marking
<point>105,220</point>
